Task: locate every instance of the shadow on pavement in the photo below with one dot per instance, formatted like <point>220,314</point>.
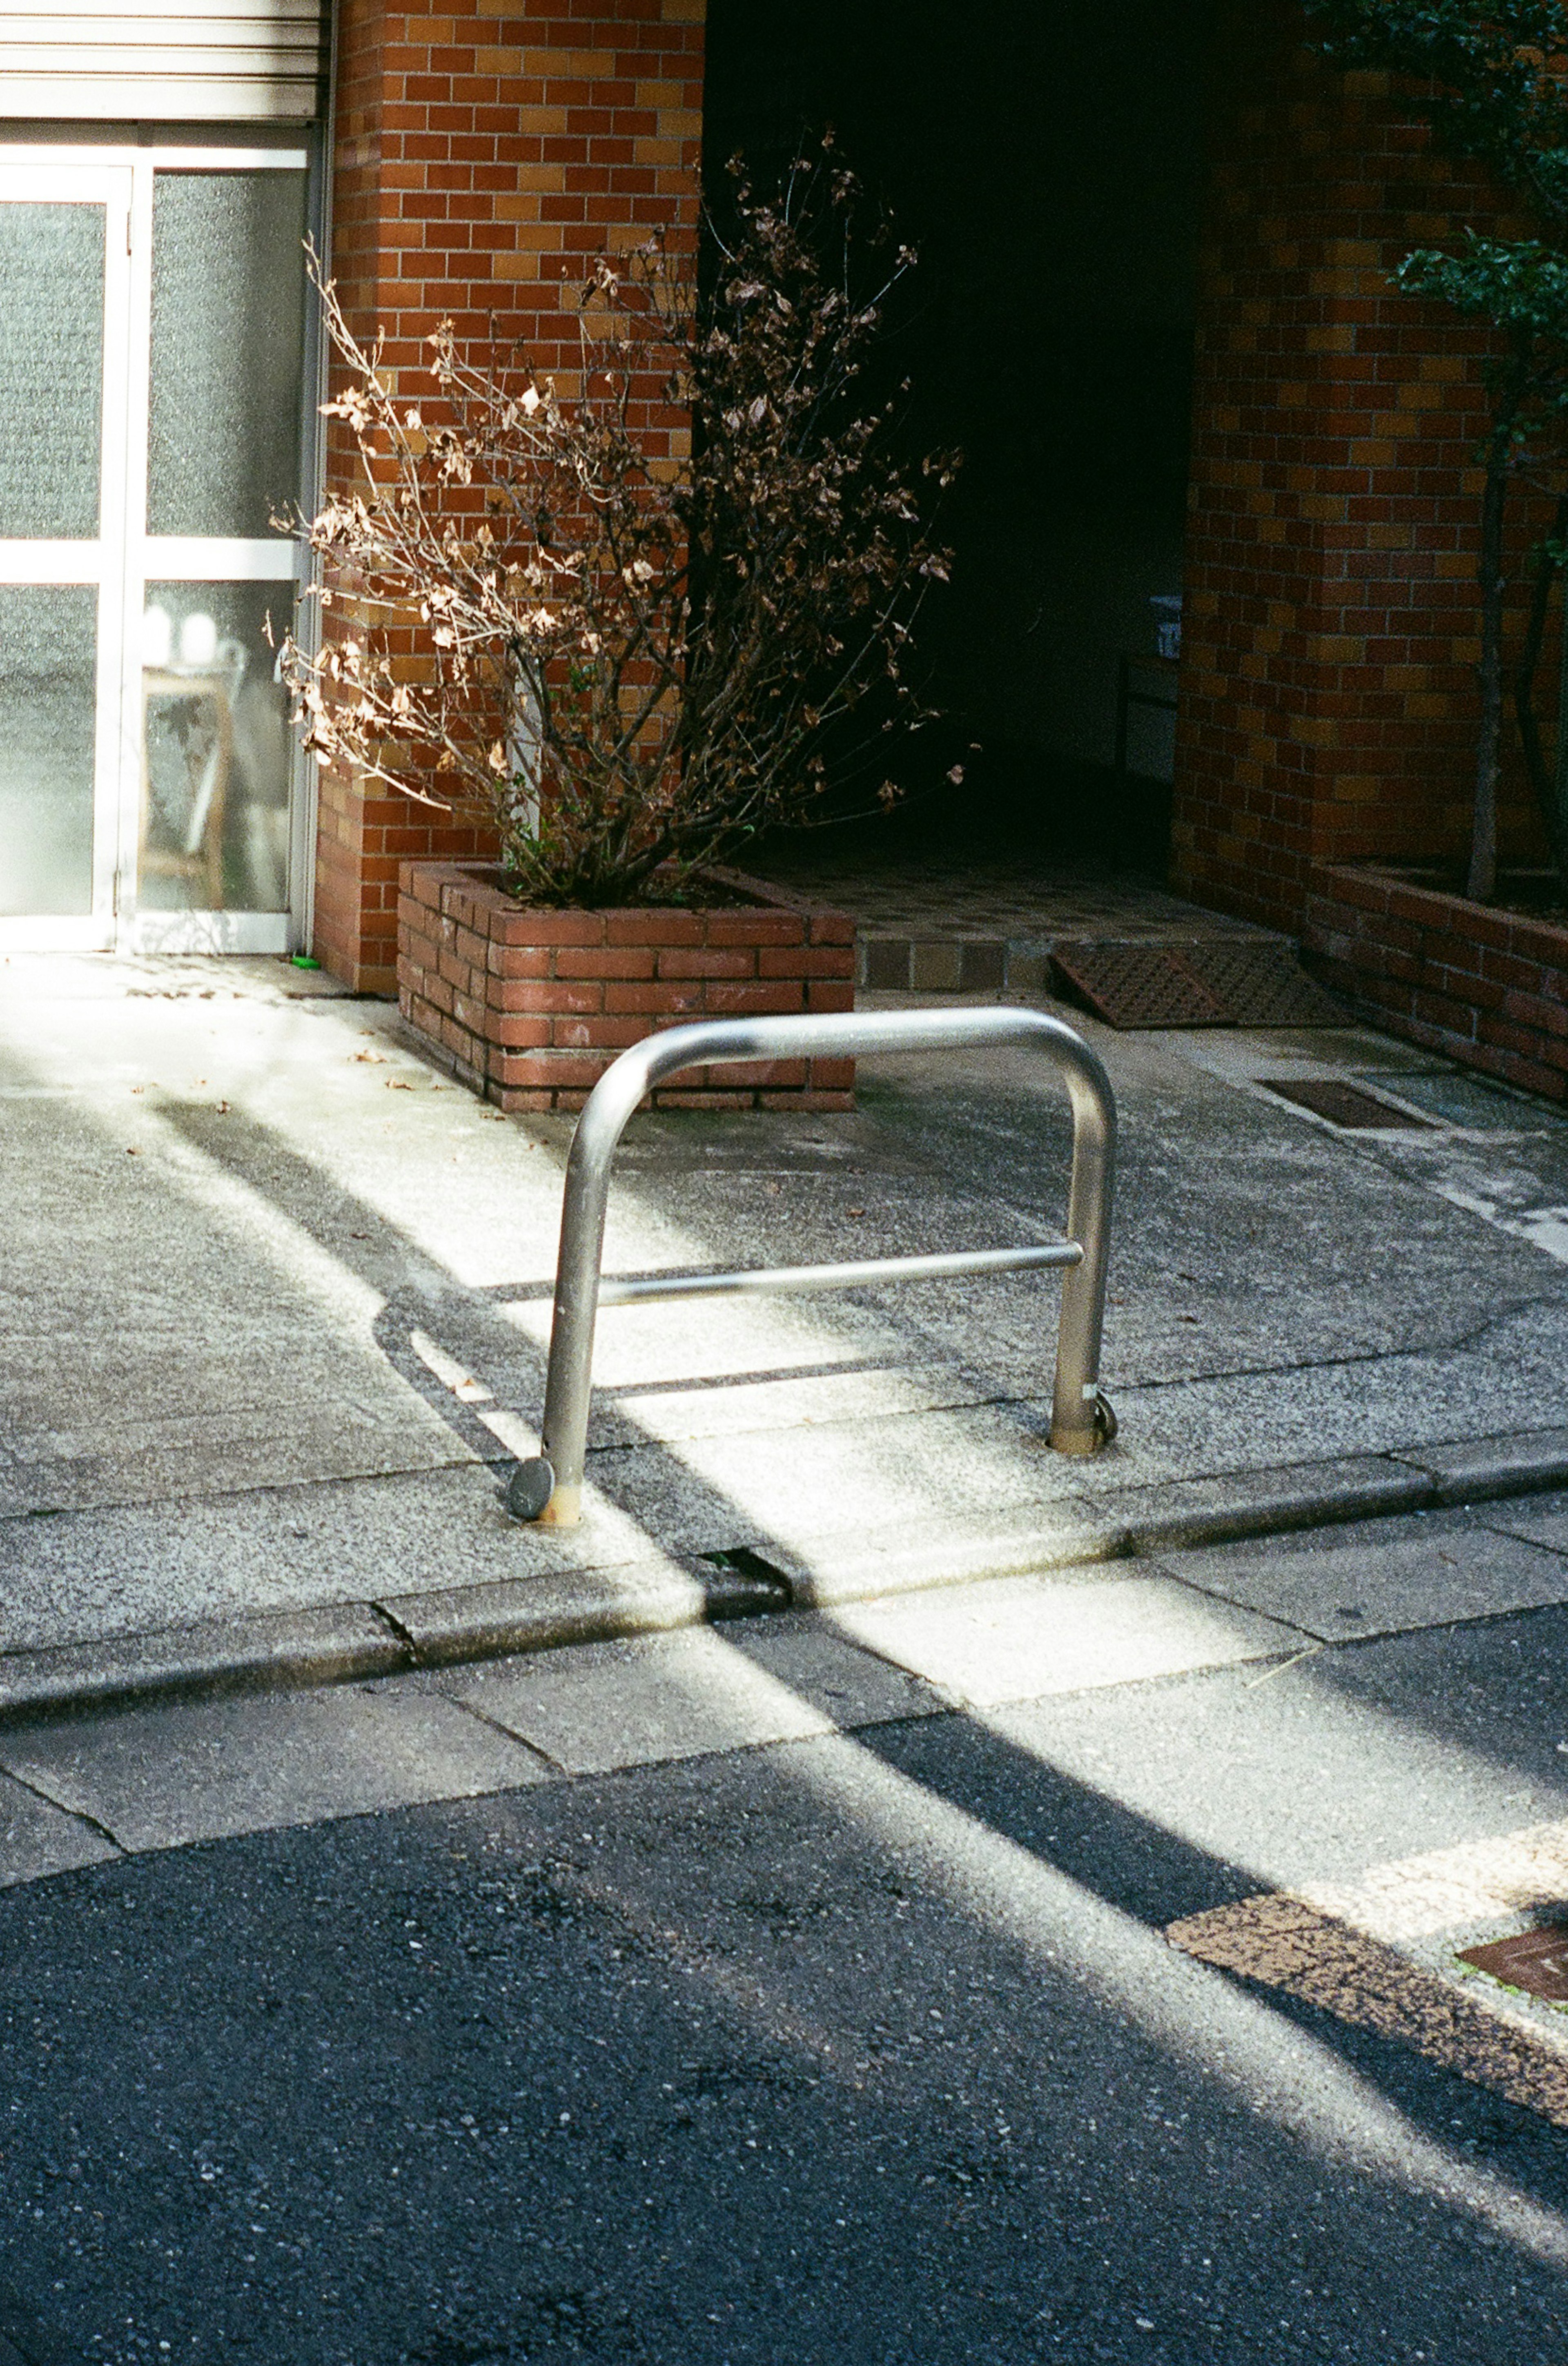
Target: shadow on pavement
<point>787,2054</point>
<point>863,2050</point>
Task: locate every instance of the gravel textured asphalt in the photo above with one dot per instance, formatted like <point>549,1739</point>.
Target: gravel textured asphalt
<point>853,2048</point>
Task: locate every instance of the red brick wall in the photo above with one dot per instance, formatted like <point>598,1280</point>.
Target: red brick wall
<point>1328,697</point>
<point>530,1007</point>
<point>1487,988</point>
<point>481,156</point>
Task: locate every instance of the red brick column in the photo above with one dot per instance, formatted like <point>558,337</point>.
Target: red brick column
<point>1328,695</point>
<point>479,157</point>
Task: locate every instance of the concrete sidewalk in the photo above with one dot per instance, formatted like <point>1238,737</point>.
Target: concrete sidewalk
<point>1036,1930</point>
<point>276,1295</point>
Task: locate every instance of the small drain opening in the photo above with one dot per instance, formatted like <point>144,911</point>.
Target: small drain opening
<point>1536,1961</point>
<point>1343,1104</point>
<point>744,1583</point>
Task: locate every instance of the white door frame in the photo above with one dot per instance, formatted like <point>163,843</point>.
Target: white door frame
<point>125,558</point>
<point>100,561</point>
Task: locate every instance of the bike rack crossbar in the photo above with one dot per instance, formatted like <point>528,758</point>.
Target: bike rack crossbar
<point>548,1487</point>
<point>851,1276</point>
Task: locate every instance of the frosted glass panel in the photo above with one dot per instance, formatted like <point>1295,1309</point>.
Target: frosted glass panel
<point>47,665</point>
<point>228,343</point>
<point>216,751</point>
<point>52,368</point>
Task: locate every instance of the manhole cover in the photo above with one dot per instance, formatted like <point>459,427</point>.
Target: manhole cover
<point>1342,1104</point>
<point>1537,1961</point>
<point>1226,981</point>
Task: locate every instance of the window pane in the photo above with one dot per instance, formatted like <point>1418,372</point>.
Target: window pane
<point>217,749</point>
<point>47,665</point>
<point>52,368</point>
<point>228,344</point>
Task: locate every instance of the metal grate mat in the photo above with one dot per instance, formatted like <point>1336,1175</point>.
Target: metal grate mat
<point>1194,983</point>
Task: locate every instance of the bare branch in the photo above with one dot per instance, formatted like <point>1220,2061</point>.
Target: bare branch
<point>631,625</point>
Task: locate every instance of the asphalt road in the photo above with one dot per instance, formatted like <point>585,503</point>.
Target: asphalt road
<point>857,2048</point>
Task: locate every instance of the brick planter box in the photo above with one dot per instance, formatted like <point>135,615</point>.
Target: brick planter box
<point>1486,988</point>
<point>529,1006</point>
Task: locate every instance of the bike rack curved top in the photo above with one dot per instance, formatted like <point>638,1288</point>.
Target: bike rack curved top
<point>550,1487</point>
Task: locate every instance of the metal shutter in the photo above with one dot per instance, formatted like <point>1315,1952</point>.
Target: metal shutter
<point>172,60</point>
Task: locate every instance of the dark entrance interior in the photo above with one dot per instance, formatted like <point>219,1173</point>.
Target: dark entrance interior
<point>1045,157</point>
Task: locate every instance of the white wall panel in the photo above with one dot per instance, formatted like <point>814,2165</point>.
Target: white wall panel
<point>239,60</point>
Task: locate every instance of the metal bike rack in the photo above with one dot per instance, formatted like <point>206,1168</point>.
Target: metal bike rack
<point>550,1486</point>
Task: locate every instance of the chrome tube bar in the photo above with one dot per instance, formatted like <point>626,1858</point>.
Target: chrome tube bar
<point>763,1277</point>
<point>550,1487</point>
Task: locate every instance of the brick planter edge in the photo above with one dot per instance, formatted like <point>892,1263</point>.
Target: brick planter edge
<point>529,1006</point>
<point>1488,989</point>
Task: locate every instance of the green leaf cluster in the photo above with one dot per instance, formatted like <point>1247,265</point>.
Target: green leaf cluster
<point>1496,90</point>
<point>1518,289</point>
<point>1492,82</point>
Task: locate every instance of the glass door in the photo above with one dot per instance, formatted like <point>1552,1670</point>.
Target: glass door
<point>218,467</point>
<point>64,301</point>
<point>154,445</point>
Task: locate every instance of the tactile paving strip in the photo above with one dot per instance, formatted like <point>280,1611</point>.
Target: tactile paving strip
<point>1375,1952</point>
<point>1217,982</point>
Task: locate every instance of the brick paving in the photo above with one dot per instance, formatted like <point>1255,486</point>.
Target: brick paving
<point>928,923</point>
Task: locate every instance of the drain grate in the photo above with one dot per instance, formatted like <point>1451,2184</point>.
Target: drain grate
<point>1196,982</point>
<point>1536,1961</point>
<point>1343,1105</point>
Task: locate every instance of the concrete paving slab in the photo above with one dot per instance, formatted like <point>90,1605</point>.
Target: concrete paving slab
<point>86,1575</point>
<point>1472,1470</point>
<point>165,1328</point>
<point>1339,1585</point>
<point>905,1557</point>
<point>946,1468</point>
<point>1191,1511</point>
<point>849,1685</point>
<point>1538,1520</point>
<point>1470,1102</point>
<point>1265,1420</point>
<point>543,1613</point>
<point>1246,1235</point>
<point>601,1705</point>
<point>1240,1054</point>
<point>1311,1768</point>
<point>789,1487</point>
<point>1019,1639</point>
<point>241,1303</point>
<point>37,1839</point>
<point>158,1778</point>
<point>227,1654</point>
<point>859,1392</point>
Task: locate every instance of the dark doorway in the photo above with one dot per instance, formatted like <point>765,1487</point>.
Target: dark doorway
<point>1045,156</point>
